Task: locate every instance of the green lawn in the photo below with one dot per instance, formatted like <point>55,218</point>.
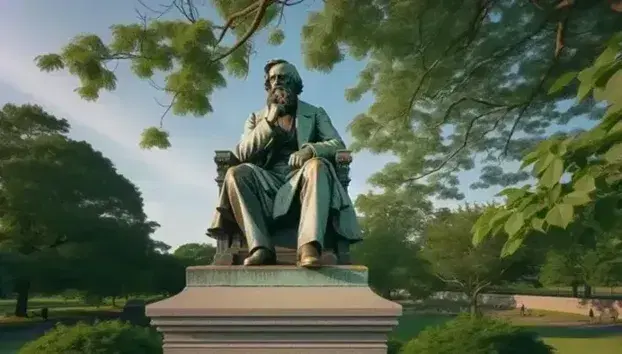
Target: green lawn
<point>34,304</point>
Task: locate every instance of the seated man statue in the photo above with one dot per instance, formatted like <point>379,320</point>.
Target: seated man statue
<point>286,152</point>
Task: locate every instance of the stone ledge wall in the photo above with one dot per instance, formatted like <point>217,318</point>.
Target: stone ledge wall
<point>550,303</point>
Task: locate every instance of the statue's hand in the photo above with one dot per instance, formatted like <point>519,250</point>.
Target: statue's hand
<point>275,111</point>
<point>297,159</point>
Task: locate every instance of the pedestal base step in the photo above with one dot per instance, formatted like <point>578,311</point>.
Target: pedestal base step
<point>275,310</point>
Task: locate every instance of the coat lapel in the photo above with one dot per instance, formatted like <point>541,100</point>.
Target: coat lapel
<point>304,123</point>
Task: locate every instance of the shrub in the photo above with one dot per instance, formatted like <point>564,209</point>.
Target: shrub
<point>476,336</point>
<point>394,346</point>
<point>105,337</point>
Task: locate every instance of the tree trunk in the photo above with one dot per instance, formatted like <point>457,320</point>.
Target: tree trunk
<point>473,304</point>
<point>22,288</point>
<point>587,291</point>
<point>575,290</point>
<point>114,301</point>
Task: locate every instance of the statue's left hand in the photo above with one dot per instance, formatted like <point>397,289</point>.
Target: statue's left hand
<point>297,159</point>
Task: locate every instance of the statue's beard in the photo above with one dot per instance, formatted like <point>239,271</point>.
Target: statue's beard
<point>285,97</point>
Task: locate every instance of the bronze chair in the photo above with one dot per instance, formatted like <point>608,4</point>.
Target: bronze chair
<point>232,249</point>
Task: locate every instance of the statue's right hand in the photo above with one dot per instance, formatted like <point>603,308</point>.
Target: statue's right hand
<point>274,112</point>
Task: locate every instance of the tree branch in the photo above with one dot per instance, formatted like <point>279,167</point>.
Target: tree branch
<point>468,33</point>
<point>187,9</point>
<point>464,144</point>
<point>538,88</point>
<point>480,287</point>
<point>261,11</point>
<point>449,281</point>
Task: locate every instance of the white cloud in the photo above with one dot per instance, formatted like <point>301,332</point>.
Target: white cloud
<point>177,184</point>
<point>108,117</point>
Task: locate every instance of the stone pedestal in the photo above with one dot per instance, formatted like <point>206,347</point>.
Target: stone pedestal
<point>275,310</point>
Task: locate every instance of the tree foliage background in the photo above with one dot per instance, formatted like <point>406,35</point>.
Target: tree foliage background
<point>391,223</point>
<point>68,219</point>
<point>455,83</point>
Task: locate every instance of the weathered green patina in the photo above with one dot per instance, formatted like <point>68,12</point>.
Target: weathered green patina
<point>279,276</point>
<point>285,174</point>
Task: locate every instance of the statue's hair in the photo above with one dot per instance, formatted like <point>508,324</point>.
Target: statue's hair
<point>297,79</point>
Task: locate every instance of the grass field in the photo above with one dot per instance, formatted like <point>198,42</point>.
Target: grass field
<point>34,304</point>
<point>568,333</point>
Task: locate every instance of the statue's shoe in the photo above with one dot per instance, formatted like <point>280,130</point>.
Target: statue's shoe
<point>309,256</point>
<point>261,256</point>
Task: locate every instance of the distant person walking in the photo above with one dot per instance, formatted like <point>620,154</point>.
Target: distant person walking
<point>522,309</point>
<point>591,315</point>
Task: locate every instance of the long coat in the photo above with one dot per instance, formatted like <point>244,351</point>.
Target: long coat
<point>314,130</point>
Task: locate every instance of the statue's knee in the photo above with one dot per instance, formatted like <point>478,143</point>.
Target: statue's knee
<point>238,173</point>
<point>313,167</point>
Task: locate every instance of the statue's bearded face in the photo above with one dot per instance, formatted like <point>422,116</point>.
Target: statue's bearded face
<point>282,87</point>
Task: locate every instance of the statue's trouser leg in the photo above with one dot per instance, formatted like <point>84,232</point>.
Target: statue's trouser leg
<point>248,200</point>
<point>315,194</point>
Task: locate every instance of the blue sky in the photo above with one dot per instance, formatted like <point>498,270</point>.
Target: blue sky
<point>178,184</point>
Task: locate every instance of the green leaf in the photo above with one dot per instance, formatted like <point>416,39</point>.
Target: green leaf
<point>586,77</point>
<point>153,137</point>
<point>613,89</point>
<point>530,158</point>
<point>482,226</point>
<point>527,201</point>
<point>615,40</point>
<point>538,224</point>
<point>577,198</point>
<point>88,92</point>
<point>553,173</point>
<point>605,73</point>
<point>514,224</point>
<point>584,184</point>
<point>560,215</point>
<point>612,117</point>
<point>50,62</point>
<point>542,163</point>
<point>562,81</point>
<point>532,209</point>
<point>554,193</point>
<point>607,56</point>
<point>237,62</point>
<point>613,178</point>
<point>500,217</point>
<point>276,37</point>
<point>511,246</point>
<point>614,155</point>
<point>512,194</point>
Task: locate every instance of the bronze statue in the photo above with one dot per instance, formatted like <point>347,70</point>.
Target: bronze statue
<point>286,172</point>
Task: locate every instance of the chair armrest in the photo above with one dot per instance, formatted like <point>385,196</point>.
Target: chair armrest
<point>343,159</point>
<point>224,159</point>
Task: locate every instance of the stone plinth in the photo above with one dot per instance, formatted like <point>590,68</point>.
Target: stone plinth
<point>275,310</point>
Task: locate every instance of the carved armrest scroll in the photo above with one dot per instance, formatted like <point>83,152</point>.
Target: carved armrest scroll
<point>343,159</point>
<point>224,159</point>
